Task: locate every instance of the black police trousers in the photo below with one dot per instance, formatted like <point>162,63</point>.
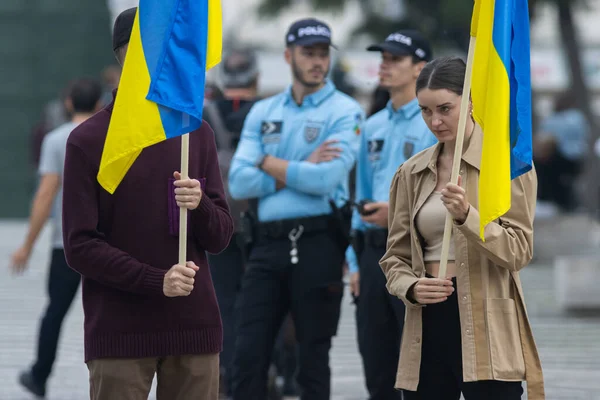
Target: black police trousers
<point>441,374</point>
<point>272,286</point>
<point>227,269</point>
<point>379,324</point>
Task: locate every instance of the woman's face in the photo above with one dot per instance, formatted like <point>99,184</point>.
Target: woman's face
<point>440,109</point>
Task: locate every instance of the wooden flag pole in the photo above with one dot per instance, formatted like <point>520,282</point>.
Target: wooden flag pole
<point>185,153</point>
<point>460,136</point>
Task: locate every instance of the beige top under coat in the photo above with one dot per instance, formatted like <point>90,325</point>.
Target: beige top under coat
<point>431,221</point>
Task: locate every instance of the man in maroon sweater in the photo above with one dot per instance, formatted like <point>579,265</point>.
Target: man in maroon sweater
<point>144,315</point>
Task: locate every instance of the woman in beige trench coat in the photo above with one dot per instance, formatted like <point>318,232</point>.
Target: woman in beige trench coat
<point>468,333</point>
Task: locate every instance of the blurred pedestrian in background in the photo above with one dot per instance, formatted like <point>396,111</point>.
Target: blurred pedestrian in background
<point>83,100</point>
<point>561,148</point>
<point>54,114</point>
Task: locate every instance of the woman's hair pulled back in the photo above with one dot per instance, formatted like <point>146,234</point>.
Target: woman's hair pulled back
<point>443,73</point>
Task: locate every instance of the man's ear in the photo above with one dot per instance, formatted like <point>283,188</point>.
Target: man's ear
<point>288,54</point>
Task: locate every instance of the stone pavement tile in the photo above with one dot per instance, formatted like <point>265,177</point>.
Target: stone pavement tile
<point>566,234</point>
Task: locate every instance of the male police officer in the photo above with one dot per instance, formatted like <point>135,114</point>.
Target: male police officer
<point>296,260</point>
<point>391,136</point>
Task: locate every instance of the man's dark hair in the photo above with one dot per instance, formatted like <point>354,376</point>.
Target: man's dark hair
<point>85,94</point>
<point>443,73</point>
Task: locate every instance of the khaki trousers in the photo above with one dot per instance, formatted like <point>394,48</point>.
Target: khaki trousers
<point>191,377</point>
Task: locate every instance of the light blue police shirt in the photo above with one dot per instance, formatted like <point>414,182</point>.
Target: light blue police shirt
<point>277,126</point>
<point>391,137</point>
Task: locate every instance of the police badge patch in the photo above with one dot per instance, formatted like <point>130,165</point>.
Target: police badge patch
<point>311,133</point>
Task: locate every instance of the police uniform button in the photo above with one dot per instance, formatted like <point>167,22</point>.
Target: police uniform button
<point>294,252</point>
<point>294,260</point>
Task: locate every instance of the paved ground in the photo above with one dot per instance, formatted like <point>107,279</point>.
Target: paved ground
<point>568,343</point>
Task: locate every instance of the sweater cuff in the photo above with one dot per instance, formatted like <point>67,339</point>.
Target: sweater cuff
<point>205,207</point>
<point>154,280</point>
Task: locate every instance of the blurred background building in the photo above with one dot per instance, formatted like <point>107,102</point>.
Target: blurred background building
<point>45,43</point>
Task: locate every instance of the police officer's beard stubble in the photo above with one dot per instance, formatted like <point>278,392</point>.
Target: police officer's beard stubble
<point>299,76</point>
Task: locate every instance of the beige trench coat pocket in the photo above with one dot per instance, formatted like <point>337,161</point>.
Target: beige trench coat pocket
<point>505,342</point>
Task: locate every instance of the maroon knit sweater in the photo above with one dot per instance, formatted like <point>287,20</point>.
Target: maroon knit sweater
<point>123,244</point>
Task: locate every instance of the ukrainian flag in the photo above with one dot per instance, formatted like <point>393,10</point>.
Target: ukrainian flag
<point>501,93</point>
<point>161,92</point>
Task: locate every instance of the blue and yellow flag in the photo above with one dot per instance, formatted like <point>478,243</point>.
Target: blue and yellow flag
<point>161,92</point>
<point>501,92</point>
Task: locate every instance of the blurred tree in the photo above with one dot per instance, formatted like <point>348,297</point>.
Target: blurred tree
<point>272,7</point>
<point>445,21</point>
